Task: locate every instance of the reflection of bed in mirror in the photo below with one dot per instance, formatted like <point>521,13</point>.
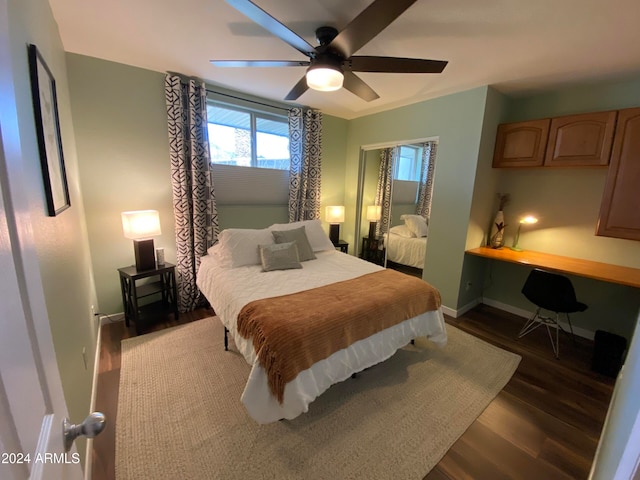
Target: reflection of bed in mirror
<point>398,180</point>
<point>403,249</point>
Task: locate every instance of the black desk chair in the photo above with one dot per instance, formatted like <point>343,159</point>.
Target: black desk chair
<point>552,292</point>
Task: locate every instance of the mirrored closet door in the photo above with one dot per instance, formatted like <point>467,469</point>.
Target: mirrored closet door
<point>393,205</point>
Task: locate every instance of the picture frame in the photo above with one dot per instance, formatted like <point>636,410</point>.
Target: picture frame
<point>45,110</point>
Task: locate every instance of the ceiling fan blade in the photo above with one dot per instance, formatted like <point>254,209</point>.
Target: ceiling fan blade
<point>260,63</point>
<point>298,89</point>
<point>373,19</point>
<point>266,21</point>
<point>393,65</point>
<point>356,85</point>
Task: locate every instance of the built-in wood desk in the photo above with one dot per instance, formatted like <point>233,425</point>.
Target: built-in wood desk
<point>576,266</point>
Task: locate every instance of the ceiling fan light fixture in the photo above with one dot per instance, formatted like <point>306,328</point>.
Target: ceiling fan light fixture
<point>324,78</point>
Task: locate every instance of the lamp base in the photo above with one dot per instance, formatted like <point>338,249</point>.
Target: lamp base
<point>372,230</point>
<point>145,254</point>
<point>516,249</point>
<point>334,233</point>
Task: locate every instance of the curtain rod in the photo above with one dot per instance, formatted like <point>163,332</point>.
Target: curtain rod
<point>187,78</point>
<point>247,100</point>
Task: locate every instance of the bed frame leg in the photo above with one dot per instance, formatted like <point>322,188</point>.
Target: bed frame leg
<point>226,339</point>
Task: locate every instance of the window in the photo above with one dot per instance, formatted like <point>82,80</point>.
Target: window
<point>243,137</point>
<point>408,164</point>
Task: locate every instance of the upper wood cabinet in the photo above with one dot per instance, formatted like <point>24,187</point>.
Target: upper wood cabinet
<point>580,140</point>
<point>521,144</point>
<point>620,210</point>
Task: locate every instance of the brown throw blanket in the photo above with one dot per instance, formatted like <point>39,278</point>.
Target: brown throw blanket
<point>292,332</point>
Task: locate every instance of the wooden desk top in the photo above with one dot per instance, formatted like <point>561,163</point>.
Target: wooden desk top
<point>576,266</point>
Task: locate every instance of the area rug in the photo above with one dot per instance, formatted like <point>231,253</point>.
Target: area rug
<point>180,416</point>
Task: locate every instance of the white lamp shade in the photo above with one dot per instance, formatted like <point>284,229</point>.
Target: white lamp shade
<point>374,213</point>
<point>141,224</point>
<point>334,214</point>
<point>324,79</point>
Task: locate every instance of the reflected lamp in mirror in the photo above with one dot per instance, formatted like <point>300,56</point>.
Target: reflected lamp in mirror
<point>528,220</point>
<point>374,213</point>
<point>140,226</point>
<point>335,216</point>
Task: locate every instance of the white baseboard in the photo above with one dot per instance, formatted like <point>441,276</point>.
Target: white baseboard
<point>92,406</point>
<point>455,313</point>
<point>111,318</point>
<point>581,332</point>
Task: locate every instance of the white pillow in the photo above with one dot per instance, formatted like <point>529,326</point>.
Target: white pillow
<point>417,224</point>
<point>402,231</point>
<point>318,240</point>
<point>240,246</point>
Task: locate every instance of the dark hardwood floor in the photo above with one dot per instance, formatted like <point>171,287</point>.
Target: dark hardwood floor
<point>545,424</point>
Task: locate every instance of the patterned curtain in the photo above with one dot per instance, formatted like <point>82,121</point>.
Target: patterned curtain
<point>383,192</point>
<point>426,179</point>
<point>305,145</point>
<point>194,204</point>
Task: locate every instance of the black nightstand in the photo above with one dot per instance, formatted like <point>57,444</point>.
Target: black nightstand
<point>160,294</point>
<point>342,246</point>
<point>373,250</point>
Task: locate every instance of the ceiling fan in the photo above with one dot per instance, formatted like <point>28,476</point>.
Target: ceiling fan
<point>331,64</point>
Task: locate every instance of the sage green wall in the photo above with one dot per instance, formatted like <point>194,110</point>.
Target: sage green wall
<point>123,149</point>
<point>567,203</point>
<point>334,145</point>
<point>457,121</point>
<point>484,203</point>
<point>121,129</point>
<point>62,247</point>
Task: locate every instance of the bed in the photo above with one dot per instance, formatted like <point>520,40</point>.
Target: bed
<point>406,244</point>
<point>232,287</point>
<point>406,250</point>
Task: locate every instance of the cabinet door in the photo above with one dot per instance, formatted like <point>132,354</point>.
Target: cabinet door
<point>580,140</point>
<point>620,211</point>
<point>521,144</point>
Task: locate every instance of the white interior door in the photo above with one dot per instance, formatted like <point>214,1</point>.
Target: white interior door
<point>32,405</point>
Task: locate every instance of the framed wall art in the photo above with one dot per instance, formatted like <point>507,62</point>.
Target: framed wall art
<point>45,110</point>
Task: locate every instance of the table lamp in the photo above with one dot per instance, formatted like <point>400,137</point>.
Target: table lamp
<point>335,216</point>
<point>140,226</point>
<point>528,220</point>
<point>374,213</point>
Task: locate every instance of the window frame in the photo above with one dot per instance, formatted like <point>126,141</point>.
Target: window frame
<point>417,160</point>
<point>269,113</point>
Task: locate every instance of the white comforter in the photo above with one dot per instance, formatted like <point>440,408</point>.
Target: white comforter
<point>230,289</point>
<point>406,250</point>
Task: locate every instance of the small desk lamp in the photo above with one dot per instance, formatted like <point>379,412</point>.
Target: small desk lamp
<point>374,213</point>
<point>335,216</point>
<point>529,220</point>
<point>140,226</point>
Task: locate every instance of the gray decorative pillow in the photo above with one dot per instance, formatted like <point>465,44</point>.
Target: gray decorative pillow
<point>299,236</point>
<point>279,256</point>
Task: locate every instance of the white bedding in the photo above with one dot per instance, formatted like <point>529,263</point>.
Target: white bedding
<point>406,250</point>
<point>230,289</point>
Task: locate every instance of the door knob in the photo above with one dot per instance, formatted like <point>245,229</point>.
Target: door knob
<point>90,427</point>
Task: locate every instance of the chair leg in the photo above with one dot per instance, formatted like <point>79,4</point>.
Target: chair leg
<point>556,346</point>
<point>535,321</point>
<point>530,325</point>
<point>573,337</point>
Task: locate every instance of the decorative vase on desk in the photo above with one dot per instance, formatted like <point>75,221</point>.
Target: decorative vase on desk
<point>496,240</point>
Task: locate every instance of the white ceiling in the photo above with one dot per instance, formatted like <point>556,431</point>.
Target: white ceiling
<point>518,46</point>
